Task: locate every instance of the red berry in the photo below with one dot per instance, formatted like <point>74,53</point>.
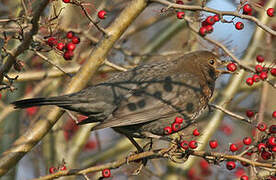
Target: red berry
<point>193,144</point>
<point>239,172</point>
<point>70,46</point>
<point>256,78</point>
<point>273,149</point>
<point>203,31</point>
<point>180,15</point>
<point>75,40</point>
<point>273,71</point>
<point>249,153</point>
<point>178,120</point>
<point>195,132</point>
<point>213,144</point>
<point>101,14</point>
<point>204,165</point>
<point>233,147</point>
<point>32,110</point>
<point>179,2</point>
<point>258,68</point>
<point>70,34</point>
<point>176,126</point>
<point>91,144</point>
<point>244,177</point>
<point>52,170</point>
<point>266,155</point>
<point>209,28</point>
<point>247,140</point>
<point>272,129</point>
<point>230,165</point>
<point>0,96</point>
<point>272,141</point>
<point>261,147</point>
<point>260,58</point>
<point>247,9</point>
<point>232,67</point>
<point>270,12</point>
<point>249,81</point>
<point>60,46</point>
<point>106,173</point>
<point>66,1</point>
<point>63,168</point>
<point>52,41</point>
<point>191,173</point>
<point>274,114</point>
<point>262,126</point>
<point>249,113</point>
<point>68,55</point>
<point>239,25</point>
<point>167,130</point>
<point>244,164</point>
<point>216,18</point>
<point>263,75</point>
<point>210,20</point>
<point>184,145</point>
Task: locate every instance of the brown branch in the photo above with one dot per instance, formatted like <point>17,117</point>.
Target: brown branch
<point>26,41</point>
<point>51,63</point>
<point>221,13</point>
<point>231,113</point>
<point>89,17</point>
<point>215,157</point>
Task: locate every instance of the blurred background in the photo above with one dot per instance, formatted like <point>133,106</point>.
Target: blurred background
<point>155,34</point>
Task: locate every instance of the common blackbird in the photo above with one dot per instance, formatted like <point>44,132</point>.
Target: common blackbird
<point>142,101</point>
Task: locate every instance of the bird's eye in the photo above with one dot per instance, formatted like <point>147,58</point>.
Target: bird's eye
<point>212,62</point>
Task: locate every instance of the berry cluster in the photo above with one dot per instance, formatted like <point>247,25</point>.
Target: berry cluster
<point>175,126</point>
<point>247,9</point>
<point>261,72</point>
<point>207,25</point>
<point>190,144</point>
<point>68,48</point>
<point>56,169</point>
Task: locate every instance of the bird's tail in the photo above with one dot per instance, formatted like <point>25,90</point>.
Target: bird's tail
<point>25,103</point>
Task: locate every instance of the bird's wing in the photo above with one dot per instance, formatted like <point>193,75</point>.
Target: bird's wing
<point>157,98</point>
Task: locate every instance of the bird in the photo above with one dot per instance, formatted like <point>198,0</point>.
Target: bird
<point>143,101</point>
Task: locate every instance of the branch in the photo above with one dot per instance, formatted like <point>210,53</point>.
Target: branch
<point>174,150</point>
<point>231,113</point>
<point>26,41</point>
<point>221,13</point>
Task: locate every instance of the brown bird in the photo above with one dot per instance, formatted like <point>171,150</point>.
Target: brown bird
<point>143,101</point>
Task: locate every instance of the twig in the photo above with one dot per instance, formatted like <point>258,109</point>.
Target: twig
<point>231,113</point>
<point>119,68</point>
<point>221,13</point>
<point>26,42</point>
<point>50,62</point>
<point>160,153</point>
<point>89,17</point>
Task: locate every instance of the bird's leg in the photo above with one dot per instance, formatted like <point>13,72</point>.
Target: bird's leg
<point>139,149</point>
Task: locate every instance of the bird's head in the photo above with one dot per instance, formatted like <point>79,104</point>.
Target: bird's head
<point>206,65</point>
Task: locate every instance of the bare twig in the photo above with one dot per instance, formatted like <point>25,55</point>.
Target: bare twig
<point>231,113</point>
<point>26,42</point>
<point>221,13</point>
